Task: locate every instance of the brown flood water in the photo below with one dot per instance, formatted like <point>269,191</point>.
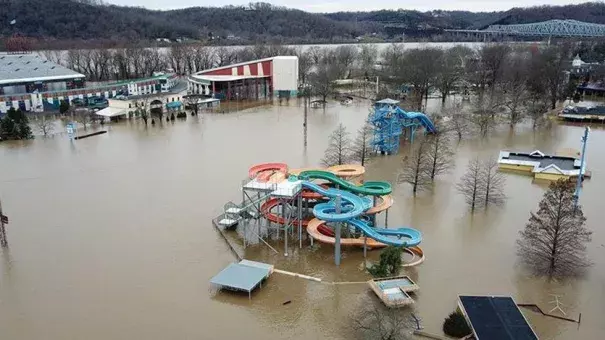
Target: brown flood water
<point>111,236</point>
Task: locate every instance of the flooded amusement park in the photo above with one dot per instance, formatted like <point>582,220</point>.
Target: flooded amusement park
<point>111,237</point>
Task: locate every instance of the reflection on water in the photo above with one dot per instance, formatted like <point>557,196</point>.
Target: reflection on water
<point>111,236</point>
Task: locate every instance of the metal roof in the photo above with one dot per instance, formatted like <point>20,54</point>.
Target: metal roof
<point>242,276</point>
<point>209,78</point>
<point>25,68</point>
<point>496,318</point>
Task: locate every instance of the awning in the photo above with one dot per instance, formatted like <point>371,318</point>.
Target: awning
<point>174,105</point>
<point>111,112</point>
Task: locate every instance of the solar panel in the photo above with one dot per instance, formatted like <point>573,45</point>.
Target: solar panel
<point>496,318</point>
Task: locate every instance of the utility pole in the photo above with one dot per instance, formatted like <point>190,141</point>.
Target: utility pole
<point>3,222</point>
<point>582,170</point>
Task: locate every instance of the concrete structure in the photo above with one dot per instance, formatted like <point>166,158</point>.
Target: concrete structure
<point>256,79</point>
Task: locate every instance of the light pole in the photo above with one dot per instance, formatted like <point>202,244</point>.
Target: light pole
<point>582,170</point>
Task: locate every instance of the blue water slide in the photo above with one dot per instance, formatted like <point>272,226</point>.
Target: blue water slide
<point>421,117</point>
<point>351,208</point>
<point>401,237</point>
<point>351,205</point>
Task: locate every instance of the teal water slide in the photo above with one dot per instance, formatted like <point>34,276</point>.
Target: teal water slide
<point>352,207</point>
<point>370,188</point>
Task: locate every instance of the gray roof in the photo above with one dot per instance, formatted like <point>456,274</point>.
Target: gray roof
<point>23,68</point>
<point>388,101</point>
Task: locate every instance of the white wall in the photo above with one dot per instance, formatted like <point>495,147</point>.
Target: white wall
<point>285,73</point>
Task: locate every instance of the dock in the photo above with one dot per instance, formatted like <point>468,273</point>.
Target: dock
<point>244,276</point>
<point>393,291</point>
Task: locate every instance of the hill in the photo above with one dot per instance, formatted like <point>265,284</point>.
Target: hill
<point>91,20</point>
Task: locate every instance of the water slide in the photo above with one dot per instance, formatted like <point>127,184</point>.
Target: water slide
<point>264,172</point>
<point>370,188</point>
<point>353,206</point>
<point>421,117</point>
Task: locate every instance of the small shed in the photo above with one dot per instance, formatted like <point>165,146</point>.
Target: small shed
<point>244,276</point>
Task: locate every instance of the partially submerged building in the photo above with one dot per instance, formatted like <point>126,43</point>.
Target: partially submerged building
<point>255,79</point>
<point>30,83</point>
<point>542,166</point>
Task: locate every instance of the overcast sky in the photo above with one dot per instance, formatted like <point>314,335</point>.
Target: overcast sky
<point>357,5</point>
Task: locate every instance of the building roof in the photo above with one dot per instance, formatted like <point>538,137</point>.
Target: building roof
<point>111,112</point>
<point>496,318</point>
<point>209,78</point>
<point>242,276</point>
<point>388,101</point>
<point>25,68</point>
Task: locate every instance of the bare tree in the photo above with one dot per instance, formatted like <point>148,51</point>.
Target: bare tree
<point>482,185</point>
<point>45,124</point>
<point>339,147</point>
<point>368,56</point>
<point>470,184</point>
<point>439,152</point>
<point>493,60</point>
<point>417,68</point>
<point>377,322</point>
<point>416,166</point>
<point>345,56</point>
<point>176,58</point>
<point>484,116</point>
<point>82,115</point>
<point>458,120</point>
<point>322,81</point>
<point>451,68</point>
<point>492,183</point>
<point>305,63</point>
<point>515,86</point>
<point>553,242</point>
<point>362,146</point>
<point>203,58</point>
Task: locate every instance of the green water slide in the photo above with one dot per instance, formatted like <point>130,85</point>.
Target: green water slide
<point>373,188</point>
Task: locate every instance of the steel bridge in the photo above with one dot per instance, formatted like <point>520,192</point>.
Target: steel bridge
<point>550,28</point>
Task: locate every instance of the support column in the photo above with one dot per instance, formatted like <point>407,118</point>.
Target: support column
<point>386,219</point>
<point>3,238</point>
<point>337,234</point>
<point>286,224</point>
<point>299,220</point>
<point>365,246</point>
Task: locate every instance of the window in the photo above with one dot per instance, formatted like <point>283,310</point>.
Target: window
<point>130,106</point>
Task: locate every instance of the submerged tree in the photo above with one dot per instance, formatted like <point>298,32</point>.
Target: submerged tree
<point>553,242</point>
<point>362,146</point>
<point>45,124</point>
<point>492,183</point>
<point>376,322</point>
<point>439,153</point>
<point>470,183</point>
<point>482,185</point>
<point>339,149</point>
<point>416,166</point>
